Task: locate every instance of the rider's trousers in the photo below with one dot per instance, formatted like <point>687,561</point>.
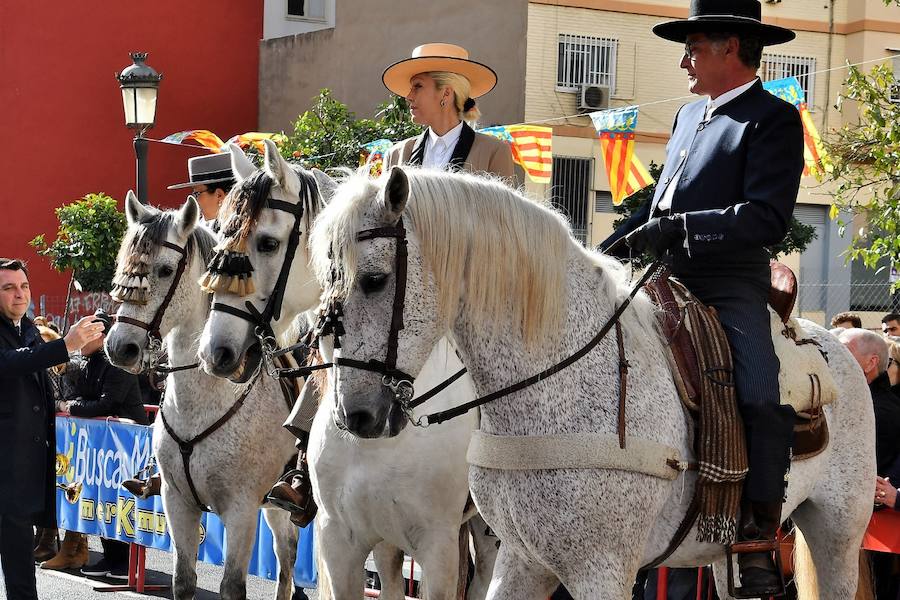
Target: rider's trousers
<point>740,297</point>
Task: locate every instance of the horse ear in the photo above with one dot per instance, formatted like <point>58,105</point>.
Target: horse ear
<point>327,185</point>
<point>396,192</point>
<point>275,165</point>
<point>135,212</point>
<point>241,166</point>
<point>187,218</point>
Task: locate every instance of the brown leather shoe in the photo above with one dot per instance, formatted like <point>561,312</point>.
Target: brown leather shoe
<point>295,497</point>
<point>73,554</point>
<point>144,488</point>
<point>47,544</point>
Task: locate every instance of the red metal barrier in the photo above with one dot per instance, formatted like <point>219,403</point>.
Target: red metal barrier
<point>137,574</point>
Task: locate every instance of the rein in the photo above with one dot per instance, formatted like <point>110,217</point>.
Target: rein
<point>401,384</point>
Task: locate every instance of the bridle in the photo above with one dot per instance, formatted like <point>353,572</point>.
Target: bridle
<point>401,384</point>
<point>154,338</point>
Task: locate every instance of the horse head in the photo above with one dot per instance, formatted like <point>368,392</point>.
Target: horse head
<point>259,275</point>
<point>161,256</point>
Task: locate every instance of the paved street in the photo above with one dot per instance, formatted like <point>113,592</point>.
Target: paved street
<point>70,585</point>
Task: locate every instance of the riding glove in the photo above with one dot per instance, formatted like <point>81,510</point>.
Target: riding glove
<point>657,235</point>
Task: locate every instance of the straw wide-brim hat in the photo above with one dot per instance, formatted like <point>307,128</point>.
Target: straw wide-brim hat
<point>439,57</point>
<point>738,16</point>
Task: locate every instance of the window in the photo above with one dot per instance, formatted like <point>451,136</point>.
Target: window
<point>779,66</point>
<point>895,89</point>
<point>570,190</point>
<point>603,202</point>
<point>312,10</point>
<point>585,60</point>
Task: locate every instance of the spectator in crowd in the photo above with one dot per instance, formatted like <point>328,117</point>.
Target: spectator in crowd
<point>893,368</point>
<point>890,324</point>
<point>210,179</point>
<point>871,352</point>
<point>27,427</point>
<point>102,390</point>
<point>847,320</point>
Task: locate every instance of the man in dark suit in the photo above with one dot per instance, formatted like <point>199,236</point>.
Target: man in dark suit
<point>727,192</point>
<point>27,434</point>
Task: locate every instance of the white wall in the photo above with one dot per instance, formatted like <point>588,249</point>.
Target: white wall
<point>277,24</point>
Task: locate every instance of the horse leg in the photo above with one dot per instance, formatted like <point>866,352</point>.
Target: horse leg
<point>240,531</point>
<point>438,553</point>
<point>834,547</point>
<point>389,562</point>
<point>514,579</point>
<point>284,535</point>
<point>486,546</point>
<point>341,559</point>
<point>184,526</point>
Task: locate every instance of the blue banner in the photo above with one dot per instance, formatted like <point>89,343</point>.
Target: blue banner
<point>99,454</point>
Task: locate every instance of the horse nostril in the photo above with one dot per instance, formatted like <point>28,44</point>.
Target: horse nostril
<point>360,422</point>
<point>129,353</point>
<point>223,357</point>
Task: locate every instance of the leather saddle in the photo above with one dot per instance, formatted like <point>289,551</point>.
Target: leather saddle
<point>811,431</point>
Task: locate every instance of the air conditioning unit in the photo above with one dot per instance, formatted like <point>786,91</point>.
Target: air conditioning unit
<point>593,97</point>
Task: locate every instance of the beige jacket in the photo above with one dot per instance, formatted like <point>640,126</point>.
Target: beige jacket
<point>474,152</point>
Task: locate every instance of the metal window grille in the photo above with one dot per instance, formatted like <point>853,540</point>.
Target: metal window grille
<point>585,60</point>
<point>779,66</point>
<point>603,202</point>
<point>895,89</point>
<point>570,191</point>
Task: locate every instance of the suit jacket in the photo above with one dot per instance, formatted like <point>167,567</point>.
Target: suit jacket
<point>102,390</point>
<point>738,185</point>
<point>887,423</point>
<point>474,152</point>
<point>27,422</point>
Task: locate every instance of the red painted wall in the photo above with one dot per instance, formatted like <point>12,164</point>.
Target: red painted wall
<point>61,117</point>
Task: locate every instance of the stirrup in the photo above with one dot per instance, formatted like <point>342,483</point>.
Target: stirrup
<point>281,503</point>
<point>752,547</point>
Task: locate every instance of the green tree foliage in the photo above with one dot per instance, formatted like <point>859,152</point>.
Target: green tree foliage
<point>89,235</point>
<point>866,165</point>
<point>799,236</point>
<point>330,134</point>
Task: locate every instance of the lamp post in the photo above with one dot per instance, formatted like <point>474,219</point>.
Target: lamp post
<point>140,85</point>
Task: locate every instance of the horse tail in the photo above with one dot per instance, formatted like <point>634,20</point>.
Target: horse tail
<point>804,569</point>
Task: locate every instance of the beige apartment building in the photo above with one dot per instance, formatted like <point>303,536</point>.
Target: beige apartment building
<point>558,60</point>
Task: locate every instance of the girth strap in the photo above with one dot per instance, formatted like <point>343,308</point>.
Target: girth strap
<point>187,446</point>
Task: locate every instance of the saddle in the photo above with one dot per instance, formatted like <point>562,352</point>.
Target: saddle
<point>805,380</point>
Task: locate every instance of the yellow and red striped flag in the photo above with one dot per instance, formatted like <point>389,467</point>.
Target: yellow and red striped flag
<point>626,173</point>
<point>204,137</point>
<point>815,158</point>
<point>531,147</point>
<point>256,138</point>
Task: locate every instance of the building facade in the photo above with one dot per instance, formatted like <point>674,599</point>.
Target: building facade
<point>62,114</point>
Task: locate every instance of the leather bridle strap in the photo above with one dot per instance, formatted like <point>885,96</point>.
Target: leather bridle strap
<point>440,417</point>
<point>152,327</point>
<point>187,446</point>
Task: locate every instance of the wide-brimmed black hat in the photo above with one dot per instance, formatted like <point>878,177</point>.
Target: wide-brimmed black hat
<point>738,16</point>
<point>209,168</point>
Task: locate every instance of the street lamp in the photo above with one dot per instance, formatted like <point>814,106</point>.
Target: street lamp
<point>140,84</point>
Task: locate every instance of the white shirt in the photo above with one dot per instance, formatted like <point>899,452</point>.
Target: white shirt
<point>665,203</point>
<point>439,148</point>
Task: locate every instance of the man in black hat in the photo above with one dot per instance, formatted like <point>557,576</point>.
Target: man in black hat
<point>210,179</point>
<point>726,193</point>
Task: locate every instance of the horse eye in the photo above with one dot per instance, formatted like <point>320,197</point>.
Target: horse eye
<point>165,271</point>
<point>267,244</point>
<point>372,282</point>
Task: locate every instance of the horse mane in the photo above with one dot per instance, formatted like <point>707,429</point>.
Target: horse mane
<point>148,236</point>
<point>246,200</point>
<point>509,253</point>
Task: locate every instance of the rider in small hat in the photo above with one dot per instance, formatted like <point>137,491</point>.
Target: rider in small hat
<point>726,194</point>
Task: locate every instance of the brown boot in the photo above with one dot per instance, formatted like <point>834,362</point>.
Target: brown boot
<point>47,544</point>
<point>295,497</point>
<point>73,553</point>
<point>760,576</point>
<point>144,488</point>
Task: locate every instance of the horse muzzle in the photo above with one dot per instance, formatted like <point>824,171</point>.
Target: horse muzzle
<point>123,353</point>
<point>380,417</point>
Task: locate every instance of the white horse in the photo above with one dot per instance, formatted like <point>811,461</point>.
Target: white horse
<point>505,277</point>
<point>371,493</point>
<point>232,469</point>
